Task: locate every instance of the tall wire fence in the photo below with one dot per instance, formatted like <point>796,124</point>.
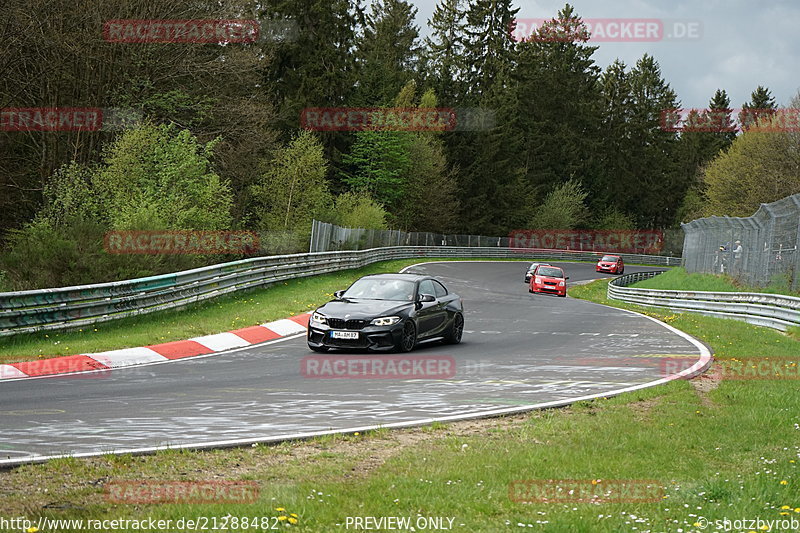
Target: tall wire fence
<point>327,237</point>
<point>757,250</point>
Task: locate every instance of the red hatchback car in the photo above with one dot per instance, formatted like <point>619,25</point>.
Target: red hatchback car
<point>549,279</point>
<point>612,264</point>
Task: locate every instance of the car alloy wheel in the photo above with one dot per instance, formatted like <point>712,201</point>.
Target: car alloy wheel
<point>408,338</point>
<point>457,331</point>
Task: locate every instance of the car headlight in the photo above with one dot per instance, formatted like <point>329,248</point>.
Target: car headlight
<point>318,318</point>
<point>537,281</point>
<point>386,321</point>
<point>561,283</point>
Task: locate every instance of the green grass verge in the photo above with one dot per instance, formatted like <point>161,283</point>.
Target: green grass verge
<point>679,279</point>
<point>718,449</point>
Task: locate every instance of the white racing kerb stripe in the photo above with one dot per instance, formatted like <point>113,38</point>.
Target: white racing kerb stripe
<point>10,372</point>
<point>285,327</point>
<point>126,357</point>
<point>222,341</point>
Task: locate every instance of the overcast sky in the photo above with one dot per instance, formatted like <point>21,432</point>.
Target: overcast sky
<point>742,43</point>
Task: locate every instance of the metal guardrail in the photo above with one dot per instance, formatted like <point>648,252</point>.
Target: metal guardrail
<point>770,310</point>
<point>80,306</point>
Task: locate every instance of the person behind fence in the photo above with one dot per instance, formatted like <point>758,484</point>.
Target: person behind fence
<point>737,256</point>
<point>720,258</point>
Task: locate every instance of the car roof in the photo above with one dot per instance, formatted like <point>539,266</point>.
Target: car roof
<point>610,255</point>
<point>406,277</point>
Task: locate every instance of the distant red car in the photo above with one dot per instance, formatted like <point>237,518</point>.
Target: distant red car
<point>612,264</point>
<point>549,279</point>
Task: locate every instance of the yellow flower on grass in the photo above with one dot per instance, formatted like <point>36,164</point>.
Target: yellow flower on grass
<point>797,510</point>
<point>282,518</point>
<point>785,507</point>
<point>764,527</point>
<point>784,482</point>
<point>280,509</point>
<point>293,514</point>
<point>32,529</point>
<point>292,520</point>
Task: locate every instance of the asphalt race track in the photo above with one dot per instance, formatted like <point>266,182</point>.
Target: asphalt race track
<point>518,349</point>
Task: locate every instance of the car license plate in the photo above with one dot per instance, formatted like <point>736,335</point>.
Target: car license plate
<point>344,334</point>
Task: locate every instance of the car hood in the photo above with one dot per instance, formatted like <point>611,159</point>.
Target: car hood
<point>606,264</point>
<point>361,309</point>
<point>548,278</point>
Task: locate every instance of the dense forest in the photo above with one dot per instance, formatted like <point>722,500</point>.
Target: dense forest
<point>217,140</point>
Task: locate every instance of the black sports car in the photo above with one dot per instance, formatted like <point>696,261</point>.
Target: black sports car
<point>387,312</point>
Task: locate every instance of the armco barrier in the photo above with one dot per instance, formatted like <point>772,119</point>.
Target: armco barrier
<point>770,310</point>
<point>80,306</point>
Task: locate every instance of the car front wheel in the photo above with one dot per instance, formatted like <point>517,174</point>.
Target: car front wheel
<point>408,338</point>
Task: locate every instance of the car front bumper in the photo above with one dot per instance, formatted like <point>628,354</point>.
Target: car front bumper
<point>376,338</point>
<point>549,289</point>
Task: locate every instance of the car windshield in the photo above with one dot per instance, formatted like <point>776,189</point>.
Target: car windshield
<point>381,289</point>
<point>553,272</point>
<point>611,258</point>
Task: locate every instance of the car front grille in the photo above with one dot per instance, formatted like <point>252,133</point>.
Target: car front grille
<point>340,323</point>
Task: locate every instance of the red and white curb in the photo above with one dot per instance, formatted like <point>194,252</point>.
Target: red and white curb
<point>157,353</point>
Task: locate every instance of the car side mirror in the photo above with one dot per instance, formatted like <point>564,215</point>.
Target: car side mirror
<point>425,298</point>
<point>339,294</point>
<point>567,277</point>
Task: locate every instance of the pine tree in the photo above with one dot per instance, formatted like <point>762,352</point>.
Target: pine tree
<point>312,66</point>
<point>386,52</point>
<point>489,49</point>
<point>560,105</point>
<point>616,175</point>
<point>720,123</point>
<point>761,104</point>
<point>443,51</point>
<point>652,150</point>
